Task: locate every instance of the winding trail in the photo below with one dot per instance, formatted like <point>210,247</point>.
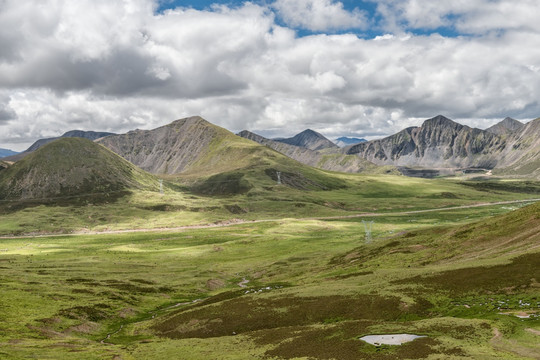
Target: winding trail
<point>104,341</point>
<point>243,283</point>
<point>233,222</point>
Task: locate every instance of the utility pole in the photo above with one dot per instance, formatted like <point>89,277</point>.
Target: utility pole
<point>367,226</point>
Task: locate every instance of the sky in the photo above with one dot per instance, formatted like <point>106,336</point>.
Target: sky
<point>365,68</point>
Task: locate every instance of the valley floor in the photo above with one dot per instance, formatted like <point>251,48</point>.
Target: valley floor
<point>278,274</point>
<point>278,290</point>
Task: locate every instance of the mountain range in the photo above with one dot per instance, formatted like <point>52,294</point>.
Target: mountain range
<point>90,135</point>
<point>346,141</point>
<point>439,142</point>
<point>329,158</point>
<point>210,155</point>
<point>7,152</point>
<point>442,143</point>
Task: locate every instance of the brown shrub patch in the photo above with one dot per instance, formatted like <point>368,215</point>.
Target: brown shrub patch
<point>246,314</point>
<point>520,274</point>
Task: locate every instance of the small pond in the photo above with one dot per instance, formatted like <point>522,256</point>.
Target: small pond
<point>390,339</point>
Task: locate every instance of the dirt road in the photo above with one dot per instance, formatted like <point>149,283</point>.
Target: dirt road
<point>240,221</point>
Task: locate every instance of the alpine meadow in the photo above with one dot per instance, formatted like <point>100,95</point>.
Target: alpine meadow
<point>311,179</point>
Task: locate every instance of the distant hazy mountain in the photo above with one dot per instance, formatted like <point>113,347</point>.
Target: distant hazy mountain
<point>7,152</point>
<point>69,168</point>
<point>90,135</point>
<point>328,159</point>
<point>346,141</point>
<point>506,126</point>
<point>309,139</point>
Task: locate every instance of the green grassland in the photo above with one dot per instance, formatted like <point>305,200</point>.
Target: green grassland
<point>250,194</point>
<point>312,287</point>
<point>276,271</point>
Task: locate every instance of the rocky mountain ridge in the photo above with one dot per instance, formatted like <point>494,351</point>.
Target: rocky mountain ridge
<point>190,144</point>
<point>442,143</point>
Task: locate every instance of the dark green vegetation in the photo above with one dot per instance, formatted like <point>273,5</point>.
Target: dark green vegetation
<point>524,186</point>
<point>71,167</point>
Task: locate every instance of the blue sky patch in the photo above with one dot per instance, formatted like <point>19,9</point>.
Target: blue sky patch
<point>369,7</point>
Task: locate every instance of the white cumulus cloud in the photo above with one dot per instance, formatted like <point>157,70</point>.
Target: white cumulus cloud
<point>319,15</point>
<point>118,65</point>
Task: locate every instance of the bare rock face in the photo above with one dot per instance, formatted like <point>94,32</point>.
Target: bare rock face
<point>187,145</point>
<point>521,157</point>
<point>309,139</point>
<point>168,149</point>
<point>439,142</point>
<point>510,147</point>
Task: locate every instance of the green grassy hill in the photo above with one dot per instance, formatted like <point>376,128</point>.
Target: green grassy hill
<point>70,168</point>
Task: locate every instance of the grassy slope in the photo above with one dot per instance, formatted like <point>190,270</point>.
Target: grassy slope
<point>68,167</point>
<point>178,206</point>
<point>314,289</point>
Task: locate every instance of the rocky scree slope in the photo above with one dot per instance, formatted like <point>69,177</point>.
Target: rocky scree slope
<point>505,127</point>
<point>190,145</point>
<point>438,143</point>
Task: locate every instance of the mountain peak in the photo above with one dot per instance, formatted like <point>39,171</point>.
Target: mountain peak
<point>309,139</point>
<point>311,132</point>
<point>70,167</point>
<point>506,126</point>
<point>439,121</point>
